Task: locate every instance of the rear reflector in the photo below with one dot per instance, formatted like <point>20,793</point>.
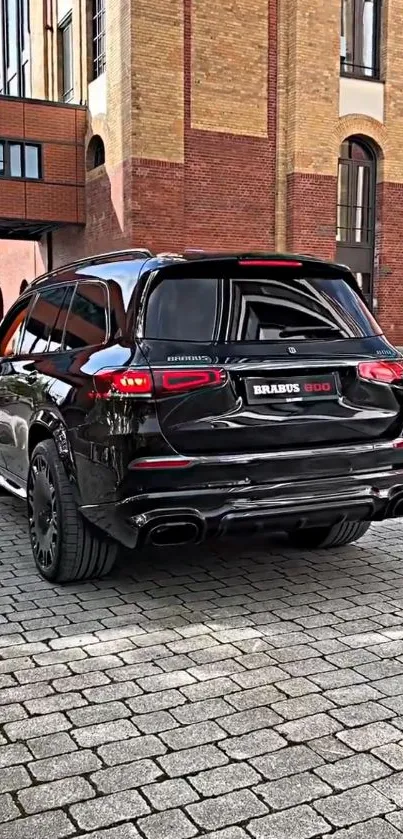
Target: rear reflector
<point>269,263</point>
<point>110,383</point>
<point>161,463</point>
<point>387,372</point>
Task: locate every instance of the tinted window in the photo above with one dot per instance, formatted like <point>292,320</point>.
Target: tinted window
<point>41,320</point>
<point>87,322</point>
<point>12,327</point>
<point>256,310</point>
<point>183,310</point>
<point>55,343</point>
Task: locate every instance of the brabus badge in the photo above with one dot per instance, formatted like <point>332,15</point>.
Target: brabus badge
<point>291,350</point>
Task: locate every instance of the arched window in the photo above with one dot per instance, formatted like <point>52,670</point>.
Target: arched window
<point>356,191</point>
<point>95,152</point>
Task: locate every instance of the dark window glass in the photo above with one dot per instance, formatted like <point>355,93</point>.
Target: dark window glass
<point>31,161</point>
<point>12,327</point>
<point>1,158</point>
<point>355,195</point>
<point>87,319</point>
<point>360,28</point>
<point>183,310</point>
<point>67,70</point>
<point>41,321</point>
<point>275,309</point>
<point>15,48</point>
<point>56,337</point>
<point>15,150</point>
<point>13,39</point>
<point>2,52</point>
<point>98,37</point>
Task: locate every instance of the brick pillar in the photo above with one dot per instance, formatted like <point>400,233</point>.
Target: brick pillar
<point>388,260</point>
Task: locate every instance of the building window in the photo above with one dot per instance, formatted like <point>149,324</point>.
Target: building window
<point>15,48</point>
<point>356,194</point>
<point>360,38</point>
<point>95,153</point>
<point>20,160</point>
<point>65,39</point>
<point>98,38</point>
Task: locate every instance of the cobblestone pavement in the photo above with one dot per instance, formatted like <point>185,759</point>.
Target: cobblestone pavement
<point>229,692</point>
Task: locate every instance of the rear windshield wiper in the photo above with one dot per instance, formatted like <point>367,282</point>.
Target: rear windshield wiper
<point>307,330</point>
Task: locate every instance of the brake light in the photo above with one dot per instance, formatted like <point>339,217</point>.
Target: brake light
<point>269,263</point>
<point>177,381</point>
<point>387,372</point>
<point>162,383</point>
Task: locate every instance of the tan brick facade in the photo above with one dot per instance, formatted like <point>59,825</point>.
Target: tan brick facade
<point>222,124</point>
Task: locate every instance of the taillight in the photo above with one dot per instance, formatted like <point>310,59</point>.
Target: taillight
<point>162,383</point>
<point>388,372</point>
<point>269,263</point>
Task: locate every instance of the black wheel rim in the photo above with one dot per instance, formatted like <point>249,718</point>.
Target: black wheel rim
<point>42,513</point>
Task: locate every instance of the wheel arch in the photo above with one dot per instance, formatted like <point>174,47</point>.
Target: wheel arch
<point>49,426</point>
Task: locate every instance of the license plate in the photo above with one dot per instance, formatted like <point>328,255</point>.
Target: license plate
<point>298,388</point>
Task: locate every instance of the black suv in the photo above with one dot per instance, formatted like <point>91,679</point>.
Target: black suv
<point>162,399</point>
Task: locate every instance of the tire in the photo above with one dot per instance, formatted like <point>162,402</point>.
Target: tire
<point>64,545</point>
<point>329,537</point>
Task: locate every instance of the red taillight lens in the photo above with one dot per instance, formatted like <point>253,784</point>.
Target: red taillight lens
<point>161,463</point>
<point>179,381</point>
<point>165,382</point>
<point>387,372</point>
<point>269,263</point>
<point>122,383</point>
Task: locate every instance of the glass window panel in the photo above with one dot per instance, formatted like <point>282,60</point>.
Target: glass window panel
<point>32,161</point>
<point>15,160</point>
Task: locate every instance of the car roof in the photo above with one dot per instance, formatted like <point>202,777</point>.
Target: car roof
<point>134,260</point>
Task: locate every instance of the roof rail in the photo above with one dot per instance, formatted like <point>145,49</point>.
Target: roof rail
<point>91,260</point>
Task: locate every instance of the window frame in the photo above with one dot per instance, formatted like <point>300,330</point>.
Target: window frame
<point>352,167</point>
<point>36,296</point>
<point>107,313</point>
<point>66,25</point>
<point>10,317</point>
<point>357,71</point>
<point>5,173</point>
<point>98,38</point>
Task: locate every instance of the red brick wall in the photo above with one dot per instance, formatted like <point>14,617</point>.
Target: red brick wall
<point>311,215</point>
<point>389,273</point>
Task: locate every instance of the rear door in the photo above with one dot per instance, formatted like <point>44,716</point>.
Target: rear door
<point>263,356</point>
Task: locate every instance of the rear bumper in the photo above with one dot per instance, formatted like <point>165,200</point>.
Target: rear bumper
<point>221,508</point>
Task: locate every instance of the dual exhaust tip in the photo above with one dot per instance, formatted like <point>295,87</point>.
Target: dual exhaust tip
<point>164,533</point>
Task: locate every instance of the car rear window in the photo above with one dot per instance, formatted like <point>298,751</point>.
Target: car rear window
<point>249,310</point>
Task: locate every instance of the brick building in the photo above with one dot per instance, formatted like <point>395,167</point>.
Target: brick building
<point>272,124</point>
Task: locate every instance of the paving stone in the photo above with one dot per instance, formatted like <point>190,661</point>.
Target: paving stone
<point>8,810</point>
<point>255,697</point>
<point>63,766</point>
<point>253,744</point>
<point>126,776</point>
<point>330,749</point>
<point>55,794</point>
<point>226,809</point>
<point>354,715</point>
<point>189,761</point>
<point>193,735</point>
<point>227,833</point>
<point>353,806</point>
<point>13,754</point>
<point>353,771</point>
<point>173,824</point>
<point>123,831</point>
<point>292,709</point>
<point>225,779</point>
<point>126,750</point>
<point>392,754</point>
<point>291,791</point>
<point>199,711</point>
<point>36,727</point>
<point>248,721</point>
<point>296,823</point>
<point>54,825</point>
<point>308,728</point>
<point>52,744</point>
<point>108,810</point>
<point>392,788</point>
<point>373,829</point>
<point>288,761</point>
<point>108,732</point>
<point>13,778</point>
<point>370,736</point>
<point>167,795</point>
